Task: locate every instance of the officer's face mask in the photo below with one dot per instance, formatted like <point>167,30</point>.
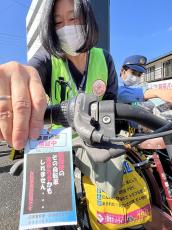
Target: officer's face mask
<point>132,80</point>
<point>71,38</point>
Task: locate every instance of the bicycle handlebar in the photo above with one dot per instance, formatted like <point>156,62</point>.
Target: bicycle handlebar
<point>65,113</point>
<point>94,121</point>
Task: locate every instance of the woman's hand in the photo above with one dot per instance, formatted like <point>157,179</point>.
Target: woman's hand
<point>22,104</point>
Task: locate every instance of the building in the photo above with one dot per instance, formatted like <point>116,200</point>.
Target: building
<point>32,26</point>
<point>34,16</point>
<point>159,72</point>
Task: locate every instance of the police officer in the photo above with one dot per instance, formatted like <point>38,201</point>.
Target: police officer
<point>133,67</point>
<point>129,89</point>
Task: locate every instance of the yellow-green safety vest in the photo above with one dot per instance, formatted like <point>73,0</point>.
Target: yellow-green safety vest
<point>97,70</point>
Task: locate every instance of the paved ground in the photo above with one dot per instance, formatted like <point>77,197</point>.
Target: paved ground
<point>10,192</point>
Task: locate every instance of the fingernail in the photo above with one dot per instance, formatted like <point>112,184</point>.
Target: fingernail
<point>18,145</point>
<point>34,133</point>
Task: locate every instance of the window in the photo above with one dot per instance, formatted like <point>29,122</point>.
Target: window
<point>167,69</point>
<point>150,75</point>
<point>147,77</point>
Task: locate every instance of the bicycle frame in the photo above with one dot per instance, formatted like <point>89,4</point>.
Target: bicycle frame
<point>164,181</point>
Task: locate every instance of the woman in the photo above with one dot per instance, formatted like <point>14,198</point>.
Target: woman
<point>68,63</point>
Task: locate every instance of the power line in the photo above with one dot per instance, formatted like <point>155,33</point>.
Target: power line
<point>25,6</point>
<point>11,38</point>
<point>14,43</point>
<point>21,4</point>
<point>10,44</point>
<point>5,9</point>
<point>12,35</point>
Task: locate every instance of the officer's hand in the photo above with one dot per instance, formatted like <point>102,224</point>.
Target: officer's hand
<point>164,94</point>
<point>21,116</point>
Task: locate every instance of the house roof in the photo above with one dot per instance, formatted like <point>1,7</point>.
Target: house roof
<point>159,57</point>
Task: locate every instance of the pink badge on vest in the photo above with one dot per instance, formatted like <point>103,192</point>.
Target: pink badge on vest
<point>99,88</point>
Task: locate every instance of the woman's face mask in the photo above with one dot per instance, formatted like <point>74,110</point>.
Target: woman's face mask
<point>71,38</point>
<point>132,80</point>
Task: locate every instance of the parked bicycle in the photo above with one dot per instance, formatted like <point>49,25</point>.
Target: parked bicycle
<point>95,123</point>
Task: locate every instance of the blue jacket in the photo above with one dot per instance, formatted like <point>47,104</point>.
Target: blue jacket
<point>129,94</point>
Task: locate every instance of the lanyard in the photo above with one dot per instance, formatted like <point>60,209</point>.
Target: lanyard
<point>82,85</point>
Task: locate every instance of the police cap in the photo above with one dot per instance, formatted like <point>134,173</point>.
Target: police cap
<point>136,62</point>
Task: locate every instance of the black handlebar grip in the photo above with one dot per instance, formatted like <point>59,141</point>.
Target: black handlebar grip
<point>139,115</point>
<point>57,114</point>
<point>62,114</point>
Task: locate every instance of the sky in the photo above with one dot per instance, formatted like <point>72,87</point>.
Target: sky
<point>13,30</point>
<point>136,27</point>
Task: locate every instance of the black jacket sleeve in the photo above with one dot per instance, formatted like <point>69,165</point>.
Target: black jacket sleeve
<point>41,61</point>
<point>112,84</point>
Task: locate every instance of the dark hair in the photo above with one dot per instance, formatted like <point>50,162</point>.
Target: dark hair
<point>48,34</point>
<point>124,67</point>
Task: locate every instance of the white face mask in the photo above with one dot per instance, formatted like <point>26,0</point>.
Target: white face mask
<point>132,80</point>
<point>71,38</point>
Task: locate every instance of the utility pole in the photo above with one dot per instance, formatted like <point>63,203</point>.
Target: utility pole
<point>101,9</point>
